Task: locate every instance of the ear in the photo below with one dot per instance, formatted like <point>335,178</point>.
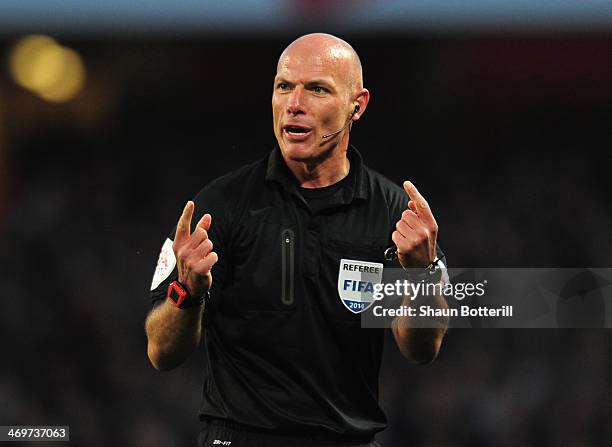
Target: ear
<point>361,102</point>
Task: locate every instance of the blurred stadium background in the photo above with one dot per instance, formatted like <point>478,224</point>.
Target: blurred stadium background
<point>498,111</point>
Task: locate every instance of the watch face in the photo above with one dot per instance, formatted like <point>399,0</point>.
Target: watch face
<point>176,293</point>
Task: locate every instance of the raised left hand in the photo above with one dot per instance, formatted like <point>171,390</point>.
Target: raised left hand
<point>416,232</point>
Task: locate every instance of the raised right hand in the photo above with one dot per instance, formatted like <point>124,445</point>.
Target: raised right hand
<point>194,255</point>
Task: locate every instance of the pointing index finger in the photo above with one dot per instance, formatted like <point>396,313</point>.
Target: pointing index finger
<point>184,223</point>
<point>422,207</point>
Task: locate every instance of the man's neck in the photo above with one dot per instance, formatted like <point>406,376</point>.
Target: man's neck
<point>326,170</point>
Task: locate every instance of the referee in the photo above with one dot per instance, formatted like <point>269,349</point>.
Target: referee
<point>253,271</point>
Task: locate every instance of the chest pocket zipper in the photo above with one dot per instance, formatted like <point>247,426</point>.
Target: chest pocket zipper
<point>288,267</point>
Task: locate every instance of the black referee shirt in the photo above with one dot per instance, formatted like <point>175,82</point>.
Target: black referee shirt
<point>282,352</point>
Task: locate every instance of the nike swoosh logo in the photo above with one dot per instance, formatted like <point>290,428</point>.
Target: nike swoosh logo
<point>259,211</point>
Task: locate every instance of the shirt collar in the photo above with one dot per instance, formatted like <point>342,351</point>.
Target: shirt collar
<point>278,171</point>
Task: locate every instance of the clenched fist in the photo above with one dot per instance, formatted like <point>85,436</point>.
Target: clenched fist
<point>416,232</point>
<point>193,252</point>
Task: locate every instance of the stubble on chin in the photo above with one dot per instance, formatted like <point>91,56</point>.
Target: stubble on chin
<point>311,157</point>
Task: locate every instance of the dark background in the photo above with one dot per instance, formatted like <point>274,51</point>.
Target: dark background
<point>506,135</point>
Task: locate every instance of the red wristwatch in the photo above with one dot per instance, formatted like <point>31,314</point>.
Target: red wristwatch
<point>181,298</point>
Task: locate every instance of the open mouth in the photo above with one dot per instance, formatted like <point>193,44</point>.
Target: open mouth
<point>297,131</point>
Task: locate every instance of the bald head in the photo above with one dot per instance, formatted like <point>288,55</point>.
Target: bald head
<point>318,94</point>
<point>326,50</point>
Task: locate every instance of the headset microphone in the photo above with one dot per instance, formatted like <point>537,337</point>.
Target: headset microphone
<point>347,123</point>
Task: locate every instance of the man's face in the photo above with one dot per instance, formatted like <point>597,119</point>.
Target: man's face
<point>311,98</point>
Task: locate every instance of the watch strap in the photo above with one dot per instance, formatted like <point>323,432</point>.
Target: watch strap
<point>180,297</point>
<point>430,274</point>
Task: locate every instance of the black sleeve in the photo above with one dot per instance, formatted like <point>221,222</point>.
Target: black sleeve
<point>209,200</point>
